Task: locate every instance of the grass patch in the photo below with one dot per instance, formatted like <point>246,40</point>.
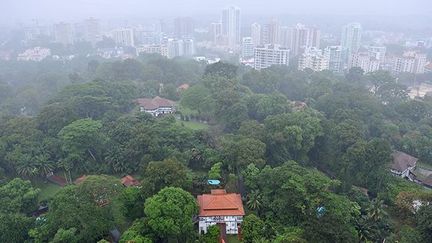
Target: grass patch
<point>194,125</point>
<point>424,165</point>
<point>48,190</point>
<point>232,239</point>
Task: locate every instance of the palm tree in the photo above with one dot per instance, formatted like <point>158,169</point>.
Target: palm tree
<point>376,210</point>
<point>254,201</point>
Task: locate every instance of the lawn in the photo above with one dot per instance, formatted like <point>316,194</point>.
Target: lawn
<point>48,190</point>
<point>232,239</point>
<point>194,125</point>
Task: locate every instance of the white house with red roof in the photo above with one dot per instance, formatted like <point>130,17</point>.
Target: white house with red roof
<point>220,208</point>
<point>157,106</point>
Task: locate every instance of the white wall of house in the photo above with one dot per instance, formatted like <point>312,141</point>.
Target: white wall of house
<point>231,222</point>
<point>159,111</point>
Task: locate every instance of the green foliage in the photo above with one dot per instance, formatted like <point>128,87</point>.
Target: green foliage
<point>198,97</point>
<point>65,236</point>
<point>18,196</point>
<point>215,171</point>
<point>14,227</point>
<point>88,207</point>
<point>212,235</point>
<point>424,222</point>
<point>161,174</point>
<point>292,135</point>
<point>82,142</point>
<point>252,228</point>
<point>170,212</point>
<point>238,152</point>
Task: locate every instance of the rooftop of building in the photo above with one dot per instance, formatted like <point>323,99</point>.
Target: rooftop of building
<point>402,161</point>
<point>220,203</point>
<point>156,102</point>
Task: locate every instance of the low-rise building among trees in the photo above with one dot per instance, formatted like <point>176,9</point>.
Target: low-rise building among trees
<point>220,208</point>
<point>157,106</point>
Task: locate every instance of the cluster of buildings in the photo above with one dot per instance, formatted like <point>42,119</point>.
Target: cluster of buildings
<point>36,54</point>
<point>263,45</point>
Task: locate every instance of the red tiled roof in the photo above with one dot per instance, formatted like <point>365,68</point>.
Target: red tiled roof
<point>129,181</point>
<point>401,161</point>
<point>156,102</point>
<point>220,203</point>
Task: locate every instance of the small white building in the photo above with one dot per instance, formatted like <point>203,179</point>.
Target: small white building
<point>220,208</point>
<point>403,164</point>
<point>157,106</point>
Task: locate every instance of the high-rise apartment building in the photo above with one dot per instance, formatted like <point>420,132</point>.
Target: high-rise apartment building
<point>92,30</point>
<point>247,47</point>
<point>268,55</point>
<point>302,37</point>
<point>216,33</point>
<point>285,36</point>
<point>335,58</point>
<point>231,26</point>
<point>315,59</point>
<point>350,40</point>
<point>124,37</point>
<point>364,60</point>
<point>184,27</point>
<point>314,37</point>
<point>270,33</point>
<point>63,33</point>
<point>256,34</point>
<point>410,62</point>
<point>378,52</point>
<point>188,47</point>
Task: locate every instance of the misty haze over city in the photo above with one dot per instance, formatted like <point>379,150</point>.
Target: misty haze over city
<point>247,121</point>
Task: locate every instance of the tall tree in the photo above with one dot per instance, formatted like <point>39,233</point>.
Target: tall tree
<point>170,212</point>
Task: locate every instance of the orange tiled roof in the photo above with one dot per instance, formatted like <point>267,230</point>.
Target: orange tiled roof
<point>129,181</point>
<point>220,203</point>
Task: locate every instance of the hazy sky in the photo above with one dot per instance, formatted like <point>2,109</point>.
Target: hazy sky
<point>19,10</point>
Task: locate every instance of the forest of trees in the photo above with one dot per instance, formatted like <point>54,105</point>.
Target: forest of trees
<point>289,141</point>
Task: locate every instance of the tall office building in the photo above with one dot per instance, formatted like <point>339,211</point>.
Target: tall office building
<point>335,58</point>
<point>350,40</point>
<point>184,27</point>
<point>63,33</point>
<point>124,37</point>
<point>256,34</point>
<point>268,55</point>
<point>247,47</point>
<point>231,26</point>
<point>270,33</point>
<point>315,59</point>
